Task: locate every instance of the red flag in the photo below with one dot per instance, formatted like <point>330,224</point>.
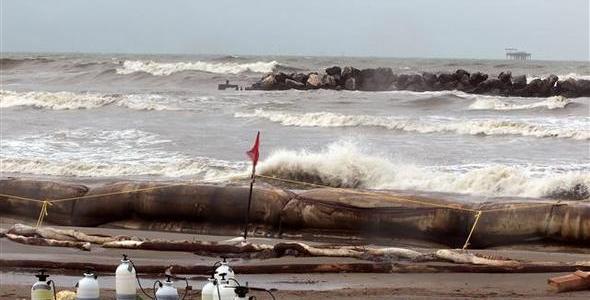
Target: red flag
<point>254,152</point>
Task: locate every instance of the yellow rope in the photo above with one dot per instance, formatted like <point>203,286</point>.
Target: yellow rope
<point>372,194</point>
<point>477,215</point>
<point>43,213</point>
<point>416,201</point>
<point>19,197</point>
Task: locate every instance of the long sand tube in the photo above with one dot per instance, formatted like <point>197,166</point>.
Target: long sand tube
<point>384,214</point>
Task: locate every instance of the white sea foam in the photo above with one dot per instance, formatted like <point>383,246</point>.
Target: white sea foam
<point>344,164</point>
<point>56,101</point>
<point>498,103</point>
<point>69,100</point>
<point>97,153</point>
<point>561,77</point>
<point>547,128</point>
<point>164,69</point>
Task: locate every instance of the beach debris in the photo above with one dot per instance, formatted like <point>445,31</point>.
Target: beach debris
<point>66,295</point>
<point>46,242</point>
<point>467,257</point>
<point>344,251</point>
<point>576,281</point>
<point>63,234</point>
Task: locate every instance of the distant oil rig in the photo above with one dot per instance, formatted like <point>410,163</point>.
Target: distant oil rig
<point>514,54</point>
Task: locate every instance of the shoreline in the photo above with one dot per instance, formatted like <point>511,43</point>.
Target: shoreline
<point>406,285</point>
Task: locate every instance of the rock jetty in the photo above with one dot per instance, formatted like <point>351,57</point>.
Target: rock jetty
<point>383,79</point>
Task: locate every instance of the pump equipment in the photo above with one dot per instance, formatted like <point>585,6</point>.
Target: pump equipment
<point>43,289</point>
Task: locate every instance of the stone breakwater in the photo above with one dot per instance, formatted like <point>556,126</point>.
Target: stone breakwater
<point>383,79</point>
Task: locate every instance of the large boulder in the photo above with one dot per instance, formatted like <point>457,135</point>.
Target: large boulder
<point>490,86</point>
<point>329,82</point>
<point>350,84</point>
<point>299,77</point>
<point>461,75</point>
<point>568,88</point>
<point>334,71</point>
<point>415,83</point>
<point>293,84</point>
<point>349,72</point>
<point>519,82</point>
<point>429,80</point>
<point>380,79</point>
<point>268,83</point>
<point>314,81</point>
<point>477,78</point>
<point>541,87</point>
<point>583,87</point>
<point>505,78</point>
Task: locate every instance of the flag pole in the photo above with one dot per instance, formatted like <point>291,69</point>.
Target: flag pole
<point>252,179</point>
<point>253,154</point>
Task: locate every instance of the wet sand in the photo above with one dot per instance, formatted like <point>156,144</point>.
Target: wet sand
<point>367,286</point>
<point>16,283</point>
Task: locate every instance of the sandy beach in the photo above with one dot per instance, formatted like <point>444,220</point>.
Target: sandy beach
<point>439,285</point>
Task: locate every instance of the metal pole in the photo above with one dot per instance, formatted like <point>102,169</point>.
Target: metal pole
<point>253,177</point>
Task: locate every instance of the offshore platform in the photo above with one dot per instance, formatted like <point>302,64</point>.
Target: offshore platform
<point>514,54</point>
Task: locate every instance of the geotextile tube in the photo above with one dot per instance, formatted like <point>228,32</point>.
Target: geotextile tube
<point>441,218</point>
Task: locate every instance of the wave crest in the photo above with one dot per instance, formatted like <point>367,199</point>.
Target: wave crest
<point>56,101</point>
<point>421,125</point>
<point>165,69</point>
<point>69,100</point>
<point>343,164</point>
<point>494,103</point>
<point>90,152</point>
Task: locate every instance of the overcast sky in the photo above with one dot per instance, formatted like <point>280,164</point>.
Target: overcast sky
<point>417,28</point>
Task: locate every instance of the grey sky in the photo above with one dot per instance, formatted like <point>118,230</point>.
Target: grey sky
<point>417,28</point>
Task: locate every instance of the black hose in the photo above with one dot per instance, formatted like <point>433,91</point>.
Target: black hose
<point>53,285</point>
<point>271,295</point>
<point>138,282</point>
<point>154,287</point>
<point>218,293</point>
<point>186,289</point>
<point>233,280</point>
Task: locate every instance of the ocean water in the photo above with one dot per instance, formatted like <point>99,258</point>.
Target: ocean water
<point>162,118</point>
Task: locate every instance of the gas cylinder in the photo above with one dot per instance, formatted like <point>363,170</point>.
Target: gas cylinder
<point>87,287</point>
<point>223,290</point>
<point>125,280</point>
<point>42,289</point>
<point>208,288</point>
<point>167,291</point>
<point>224,268</point>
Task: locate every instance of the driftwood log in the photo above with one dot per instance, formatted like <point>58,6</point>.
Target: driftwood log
<point>46,242</point>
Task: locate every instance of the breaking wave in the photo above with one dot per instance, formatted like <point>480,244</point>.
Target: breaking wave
<point>343,164</point>
<point>495,103</point>
<point>426,124</point>
<point>69,100</point>
<point>165,69</point>
<point>89,152</point>
<point>57,100</point>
